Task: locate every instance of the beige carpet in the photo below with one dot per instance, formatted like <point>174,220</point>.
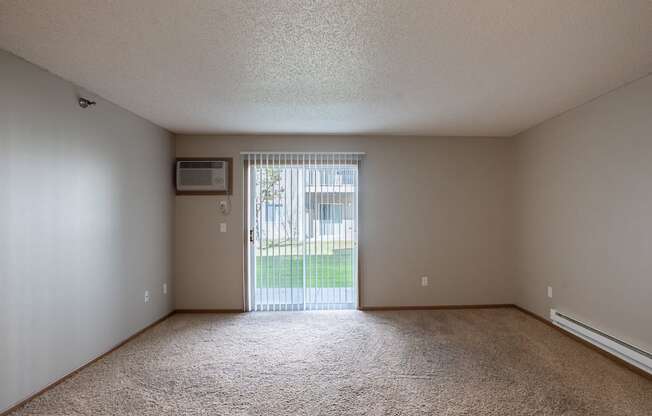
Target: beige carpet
<point>456,362</point>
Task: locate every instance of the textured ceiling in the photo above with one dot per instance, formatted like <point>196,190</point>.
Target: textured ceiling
<point>456,67</point>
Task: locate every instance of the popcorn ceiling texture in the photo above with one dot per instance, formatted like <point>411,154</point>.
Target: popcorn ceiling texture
<point>419,67</point>
<point>464,362</point>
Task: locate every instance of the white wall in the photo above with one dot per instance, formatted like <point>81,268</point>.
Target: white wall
<point>584,214</point>
<point>85,227</point>
<point>431,206</point>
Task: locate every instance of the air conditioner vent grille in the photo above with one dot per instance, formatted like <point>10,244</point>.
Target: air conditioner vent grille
<point>201,165</point>
<point>196,177</point>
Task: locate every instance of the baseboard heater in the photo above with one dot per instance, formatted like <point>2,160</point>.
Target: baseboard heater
<point>627,352</point>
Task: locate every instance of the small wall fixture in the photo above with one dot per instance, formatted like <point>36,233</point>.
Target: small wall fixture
<point>85,103</point>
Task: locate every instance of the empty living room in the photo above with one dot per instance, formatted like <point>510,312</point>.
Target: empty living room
<point>341,207</point>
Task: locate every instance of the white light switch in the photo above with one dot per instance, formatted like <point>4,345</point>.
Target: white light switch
<point>165,288</point>
<point>424,280</point>
<point>222,227</point>
<point>146,296</point>
<point>550,291</point>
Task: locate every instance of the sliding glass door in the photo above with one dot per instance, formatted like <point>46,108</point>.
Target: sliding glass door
<point>303,230</point>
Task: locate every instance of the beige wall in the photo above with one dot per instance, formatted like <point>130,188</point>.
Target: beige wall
<point>428,206</point>
<point>584,214</point>
<point>85,227</point>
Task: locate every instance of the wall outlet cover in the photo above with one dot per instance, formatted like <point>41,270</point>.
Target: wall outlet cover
<point>424,280</point>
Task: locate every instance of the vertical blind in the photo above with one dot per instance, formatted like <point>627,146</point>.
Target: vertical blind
<point>303,229</point>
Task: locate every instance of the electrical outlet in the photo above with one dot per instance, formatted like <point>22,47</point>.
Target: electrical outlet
<point>424,280</point>
<point>147,296</point>
<point>165,288</point>
<point>550,292</point>
<point>222,227</point>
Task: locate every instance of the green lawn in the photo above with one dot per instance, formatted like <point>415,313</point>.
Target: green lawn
<point>322,271</point>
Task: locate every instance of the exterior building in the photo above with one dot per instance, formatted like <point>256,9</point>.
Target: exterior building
<point>325,193</point>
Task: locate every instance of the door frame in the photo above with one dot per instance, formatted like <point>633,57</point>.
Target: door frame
<point>247,225</point>
<point>246,197</point>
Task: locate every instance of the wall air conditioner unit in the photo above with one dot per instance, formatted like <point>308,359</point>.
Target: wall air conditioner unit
<point>204,176</point>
